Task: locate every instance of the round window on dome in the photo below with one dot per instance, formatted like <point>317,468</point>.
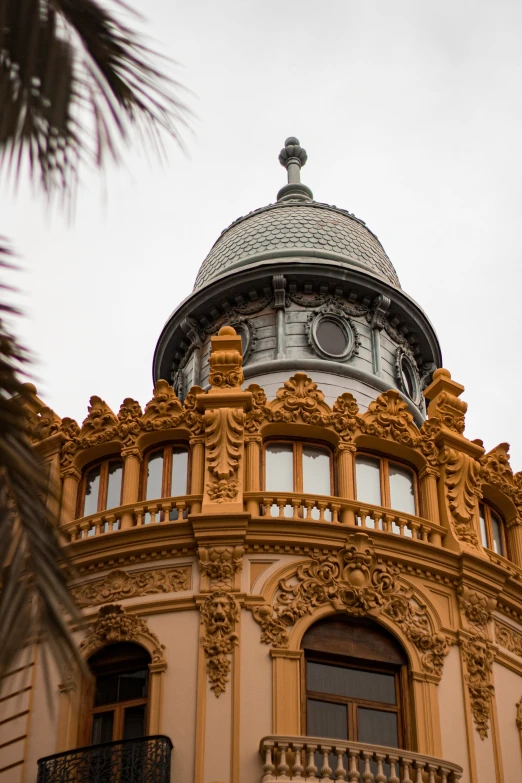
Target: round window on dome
<point>407,376</point>
<point>332,336</point>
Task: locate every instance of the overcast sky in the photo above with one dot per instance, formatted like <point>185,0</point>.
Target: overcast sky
<point>411,114</point>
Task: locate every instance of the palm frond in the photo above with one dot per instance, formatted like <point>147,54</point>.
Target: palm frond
<point>34,600</point>
<point>74,82</point>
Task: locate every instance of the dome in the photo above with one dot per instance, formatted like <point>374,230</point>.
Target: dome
<point>297,228</point>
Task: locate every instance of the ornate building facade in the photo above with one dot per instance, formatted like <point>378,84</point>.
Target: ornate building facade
<point>292,564</point>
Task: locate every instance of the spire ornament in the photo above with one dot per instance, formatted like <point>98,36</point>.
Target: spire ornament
<point>293,157</point>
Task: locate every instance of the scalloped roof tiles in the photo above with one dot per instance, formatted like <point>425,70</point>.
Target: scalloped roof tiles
<point>287,226</point>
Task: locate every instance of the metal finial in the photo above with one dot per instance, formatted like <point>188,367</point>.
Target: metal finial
<point>293,157</point>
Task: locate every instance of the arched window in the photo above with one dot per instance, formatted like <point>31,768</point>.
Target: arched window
<point>382,482</point>
<point>101,487</point>
<point>119,694</point>
<point>296,466</point>
<point>165,474</point>
<point>492,530</point>
<point>356,683</point>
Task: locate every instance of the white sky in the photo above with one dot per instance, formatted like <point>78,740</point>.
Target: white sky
<point>411,113</point>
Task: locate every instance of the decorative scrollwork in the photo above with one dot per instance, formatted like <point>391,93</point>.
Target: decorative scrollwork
<point>119,584</point>
<point>113,625</point>
<point>462,477</point>
<point>478,658</point>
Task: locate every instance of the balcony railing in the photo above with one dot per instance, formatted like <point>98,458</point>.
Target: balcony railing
<point>295,506</point>
<point>142,760</point>
<point>296,758</point>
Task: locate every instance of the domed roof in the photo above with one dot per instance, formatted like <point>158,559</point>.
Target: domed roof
<point>294,227</point>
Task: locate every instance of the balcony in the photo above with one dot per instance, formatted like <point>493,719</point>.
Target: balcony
<point>142,760</point>
<point>313,758</point>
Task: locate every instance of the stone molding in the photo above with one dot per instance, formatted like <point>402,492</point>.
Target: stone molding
<point>113,624</point>
<point>508,637</point>
<point>118,585</point>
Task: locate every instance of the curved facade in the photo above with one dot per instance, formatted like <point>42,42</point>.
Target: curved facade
<point>279,583</point>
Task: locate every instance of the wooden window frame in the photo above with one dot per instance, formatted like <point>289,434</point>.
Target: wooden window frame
<point>119,715</point>
<point>166,478</point>
<point>297,445</point>
<point>104,484</point>
<point>384,475</point>
<point>401,691</point>
<point>488,510</point>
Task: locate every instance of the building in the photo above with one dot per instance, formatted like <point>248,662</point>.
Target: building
<point>293,540</point>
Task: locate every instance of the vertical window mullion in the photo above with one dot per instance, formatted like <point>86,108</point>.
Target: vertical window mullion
<point>298,467</point>
<point>167,471</point>
<point>385,484</point>
<point>104,477</point>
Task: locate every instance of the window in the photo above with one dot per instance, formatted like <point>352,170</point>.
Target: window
<point>298,467</point>
<point>381,482</point>
<point>119,693</point>
<point>165,475</point>
<point>492,530</point>
<point>356,683</point>
<point>408,375</point>
<point>332,336</point>
<point>101,487</point>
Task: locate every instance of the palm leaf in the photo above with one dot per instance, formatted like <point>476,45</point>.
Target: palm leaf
<point>74,82</point>
<point>34,601</point>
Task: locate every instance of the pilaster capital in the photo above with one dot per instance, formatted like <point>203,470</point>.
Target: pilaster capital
<point>132,451</point>
<point>71,472</point>
<point>429,470</point>
<point>342,447</point>
<point>254,438</point>
<point>196,440</point>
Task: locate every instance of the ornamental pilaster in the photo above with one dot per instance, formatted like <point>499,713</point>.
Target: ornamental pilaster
<point>71,480</point>
<point>132,459</point>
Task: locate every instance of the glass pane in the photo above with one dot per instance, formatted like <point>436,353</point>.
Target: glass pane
<point>106,690</point>
<point>408,378</point>
<point>354,683</point>
<point>377,727</point>
<point>368,477</point>
<point>92,489</point>
<point>102,727</point>
<point>496,530</point>
<point>134,722</point>
<point>114,484</point>
<point>483,531</point>
<point>178,484</point>
<point>316,471</point>
<point>331,337</point>
<point>280,467</point>
<point>154,476</point>
<point>327,720</point>
<point>133,685</point>
<point>402,495</point>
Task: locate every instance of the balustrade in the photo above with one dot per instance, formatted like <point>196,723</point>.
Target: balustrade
<point>296,507</point>
<point>313,758</point>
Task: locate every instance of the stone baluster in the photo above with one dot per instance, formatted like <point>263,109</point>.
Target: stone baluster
<point>326,770</point>
<point>380,776</point>
<point>282,767</point>
<point>406,765</point>
<point>340,772</point>
<point>132,459</point>
<point>268,767</point>
<point>367,775</point>
<point>419,768</point>
<point>393,761</point>
<point>297,769</point>
<point>432,771</point>
<point>311,769</point>
<point>353,773</point>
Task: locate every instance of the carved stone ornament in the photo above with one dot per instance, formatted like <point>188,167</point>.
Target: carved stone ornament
<point>300,400</point>
<point>119,584</point>
<point>43,424</point>
<point>219,614</point>
<point>519,715</point>
<point>114,625</point>
<point>219,564</point>
<point>478,658</point>
<point>224,430</point>
<point>463,486</point>
<point>476,607</point>
<point>496,470</point>
<point>508,637</point>
<point>354,582</point>
<point>347,326</point>
<point>328,303</point>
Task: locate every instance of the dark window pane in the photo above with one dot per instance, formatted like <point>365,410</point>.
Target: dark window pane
<point>402,495</point>
<point>331,337</point>
<point>496,530</point>
<point>133,685</point>
<point>377,727</point>
<point>154,476</point>
<point>114,484</point>
<point>92,489</point>
<point>354,683</point>
<point>327,720</point>
<point>483,530</point>
<point>102,727</point>
<point>280,467</point>
<point>316,471</point>
<point>179,472</point>
<point>106,690</point>
<point>408,379</point>
<point>134,722</point>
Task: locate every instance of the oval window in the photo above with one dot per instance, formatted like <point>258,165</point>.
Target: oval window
<point>407,376</point>
<point>331,336</point>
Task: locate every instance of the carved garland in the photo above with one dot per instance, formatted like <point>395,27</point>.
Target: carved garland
<point>352,581</point>
<point>113,625</point>
<point>219,614</point>
<point>119,584</point>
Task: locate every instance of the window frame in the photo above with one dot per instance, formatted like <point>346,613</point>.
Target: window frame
<point>489,509</point>
<point>297,444</point>
<point>384,476</point>
<point>401,691</point>
<point>104,484</point>
<point>166,478</point>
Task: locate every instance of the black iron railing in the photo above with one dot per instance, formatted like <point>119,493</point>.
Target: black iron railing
<point>142,760</point>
